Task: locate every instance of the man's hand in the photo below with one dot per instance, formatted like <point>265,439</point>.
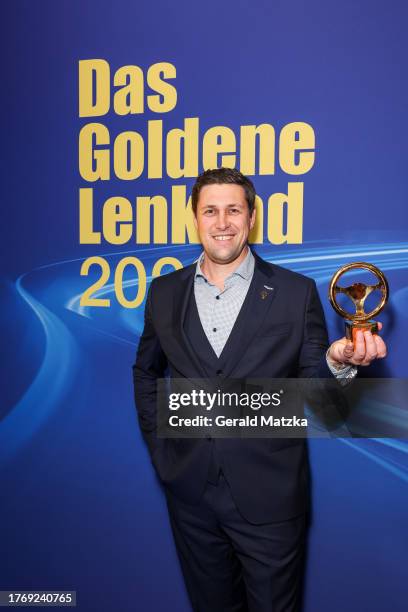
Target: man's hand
<point>368,347</point>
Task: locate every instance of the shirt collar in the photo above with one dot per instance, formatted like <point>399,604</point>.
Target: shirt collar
<point>245,268</point>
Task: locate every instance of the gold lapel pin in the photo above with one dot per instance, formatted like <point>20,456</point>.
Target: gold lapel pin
<point>264,294</point>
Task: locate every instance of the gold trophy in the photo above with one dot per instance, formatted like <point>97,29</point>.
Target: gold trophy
<point>358,293</point>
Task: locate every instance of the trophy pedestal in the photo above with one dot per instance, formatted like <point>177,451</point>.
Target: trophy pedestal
<point>352,327</point>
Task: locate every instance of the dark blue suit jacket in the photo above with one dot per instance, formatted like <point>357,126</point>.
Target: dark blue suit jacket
<point>277,336</point>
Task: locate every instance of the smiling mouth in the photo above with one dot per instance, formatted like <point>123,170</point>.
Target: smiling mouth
<point>223,237</point>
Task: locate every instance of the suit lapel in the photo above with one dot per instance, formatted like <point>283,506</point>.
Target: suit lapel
<point>182,293</point>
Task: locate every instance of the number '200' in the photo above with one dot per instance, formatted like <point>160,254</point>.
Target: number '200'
<point>89,299</point>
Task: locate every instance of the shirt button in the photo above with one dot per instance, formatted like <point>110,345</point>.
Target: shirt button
<point>214,329</point>
<point>217,297</point>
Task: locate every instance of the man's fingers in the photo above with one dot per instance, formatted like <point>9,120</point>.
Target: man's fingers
<point>371,347</point>
<point>348,350</point>
<point>366,348</point>
<point>381,347</point>
<point>359,349</point>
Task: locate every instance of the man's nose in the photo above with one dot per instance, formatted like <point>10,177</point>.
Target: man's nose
<point>222,220</point>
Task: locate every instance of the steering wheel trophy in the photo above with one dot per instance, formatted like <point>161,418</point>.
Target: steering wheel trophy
<point>358,293</point>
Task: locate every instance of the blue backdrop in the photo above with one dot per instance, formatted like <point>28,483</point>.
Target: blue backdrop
<point>81,508</point>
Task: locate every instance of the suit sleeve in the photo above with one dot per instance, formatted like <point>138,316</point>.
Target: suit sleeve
<point>312,358</point>
<point>150,365</point>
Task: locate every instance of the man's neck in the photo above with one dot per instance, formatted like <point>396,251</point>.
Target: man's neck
<point>216,273</point>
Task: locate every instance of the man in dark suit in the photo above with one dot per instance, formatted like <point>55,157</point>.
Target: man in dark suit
<point>237,506</point>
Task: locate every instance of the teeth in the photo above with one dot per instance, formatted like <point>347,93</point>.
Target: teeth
<point>222,237</point>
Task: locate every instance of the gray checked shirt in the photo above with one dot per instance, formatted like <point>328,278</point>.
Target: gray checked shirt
<point>218,309</point>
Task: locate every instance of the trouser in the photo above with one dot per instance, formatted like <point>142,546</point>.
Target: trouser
<point>231,565</point>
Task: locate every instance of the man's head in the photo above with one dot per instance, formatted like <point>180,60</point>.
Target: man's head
<point>223,203</point>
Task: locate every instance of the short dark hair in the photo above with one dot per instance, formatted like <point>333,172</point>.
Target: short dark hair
<point>222,176</point>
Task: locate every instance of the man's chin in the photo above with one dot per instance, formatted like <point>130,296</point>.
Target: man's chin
<point>223,257</point>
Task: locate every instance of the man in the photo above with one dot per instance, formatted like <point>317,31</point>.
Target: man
<point>237,506</point>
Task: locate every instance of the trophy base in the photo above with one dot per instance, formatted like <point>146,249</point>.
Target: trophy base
<point>352,327</point>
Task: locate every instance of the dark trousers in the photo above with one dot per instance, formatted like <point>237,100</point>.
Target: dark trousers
<point>230,565</point>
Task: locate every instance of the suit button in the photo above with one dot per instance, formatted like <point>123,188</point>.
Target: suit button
<point>219,372</point>
<point>209,437</point>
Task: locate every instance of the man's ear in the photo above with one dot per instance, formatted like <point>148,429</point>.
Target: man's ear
<point>252,218</point>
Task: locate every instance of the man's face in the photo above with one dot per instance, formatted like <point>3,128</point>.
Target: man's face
<point>223,222</point>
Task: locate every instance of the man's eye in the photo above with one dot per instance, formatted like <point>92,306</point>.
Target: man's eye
<point>209,211</point>
<point>234,211</point>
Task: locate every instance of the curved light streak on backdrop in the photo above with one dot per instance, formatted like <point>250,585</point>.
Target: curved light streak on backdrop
<point>54,295</point>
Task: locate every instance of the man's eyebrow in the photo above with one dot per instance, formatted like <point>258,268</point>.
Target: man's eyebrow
<point>215,205</point>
